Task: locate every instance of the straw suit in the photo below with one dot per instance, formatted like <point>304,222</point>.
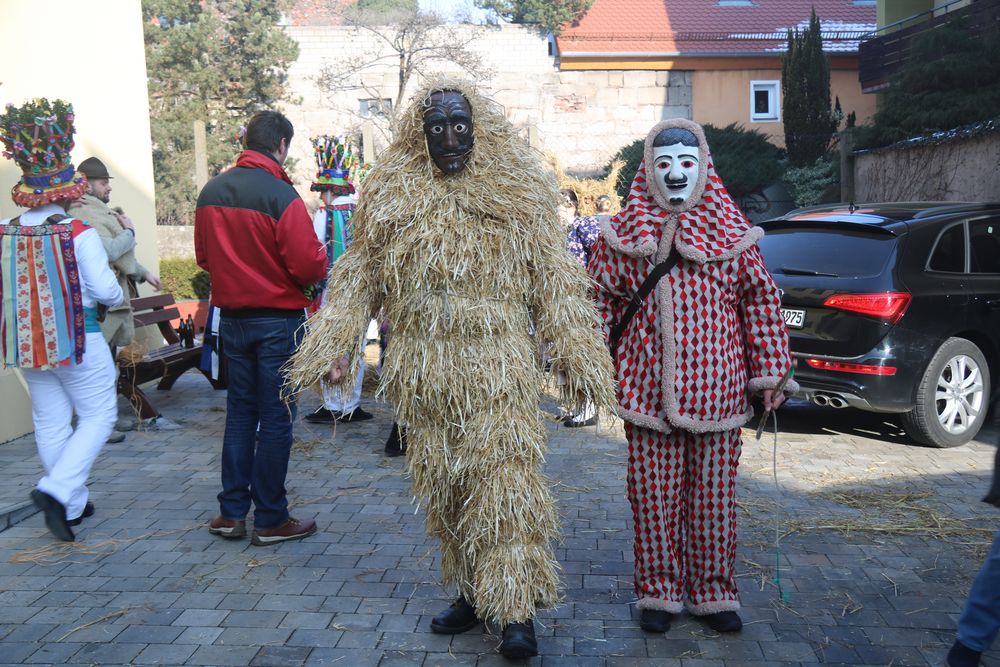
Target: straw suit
<point>709,335</point>
<point>462,266</point>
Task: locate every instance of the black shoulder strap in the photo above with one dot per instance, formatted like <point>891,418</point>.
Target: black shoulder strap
<point>635,302</point>
<point>56,217</point>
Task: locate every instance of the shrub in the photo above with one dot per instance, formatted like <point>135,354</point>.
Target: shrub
<point>948,81</point>
<point>809,184</point>
<point>182,277</point>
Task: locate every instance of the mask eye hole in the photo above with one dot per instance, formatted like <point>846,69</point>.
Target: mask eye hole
<point>461,128</point>
<point>687,164</point>
<point>436,129</point>
<point>663,164</point>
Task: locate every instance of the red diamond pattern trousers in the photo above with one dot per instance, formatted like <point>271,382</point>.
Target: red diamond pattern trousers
<point>682,487</point>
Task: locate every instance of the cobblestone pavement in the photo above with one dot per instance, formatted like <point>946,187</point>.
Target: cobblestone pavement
<point>880,540</point>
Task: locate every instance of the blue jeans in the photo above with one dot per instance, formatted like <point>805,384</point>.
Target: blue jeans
<point>980,620</point>
<point>255,461</point>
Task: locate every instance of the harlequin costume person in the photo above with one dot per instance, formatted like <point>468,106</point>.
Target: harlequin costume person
<point>332,224</point>
<point>53,274</point>
<point>457,239</point>
<point>708,337</point>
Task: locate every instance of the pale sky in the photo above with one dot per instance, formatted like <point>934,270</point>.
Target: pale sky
<point>451,9</point>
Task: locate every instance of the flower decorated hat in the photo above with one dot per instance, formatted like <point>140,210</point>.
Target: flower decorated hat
<point>38,135</point>
<point>335,160</point>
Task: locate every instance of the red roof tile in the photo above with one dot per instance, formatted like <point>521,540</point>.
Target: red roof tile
<point>706,27</point>
<point>317,12</point>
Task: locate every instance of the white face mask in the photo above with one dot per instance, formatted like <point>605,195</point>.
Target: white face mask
<point>675,171</point>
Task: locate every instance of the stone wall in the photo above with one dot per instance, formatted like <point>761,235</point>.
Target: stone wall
<point>175,240</point>
<point>583,118</point>
<point>964,169</point>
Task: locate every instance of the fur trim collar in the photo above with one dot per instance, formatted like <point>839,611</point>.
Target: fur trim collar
<point>708,227</point>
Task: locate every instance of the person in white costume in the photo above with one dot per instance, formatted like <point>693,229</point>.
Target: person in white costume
<point>332,224</point>
<point>54,278</point>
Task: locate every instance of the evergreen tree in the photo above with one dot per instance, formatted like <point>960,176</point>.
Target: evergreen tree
<point>951,78</point>
<point>218,61</point>
<point>805,91</point>
<point>547,15</point>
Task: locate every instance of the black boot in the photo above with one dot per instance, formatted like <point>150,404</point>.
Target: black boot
<point>519,640</point>
<point>722,621</point>
<point>961,655</point>
<point>396,444</point>
<point>655,620</point>
<point>457,618</point>
<point>55,515</point>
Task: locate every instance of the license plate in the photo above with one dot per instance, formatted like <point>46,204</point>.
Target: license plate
<point>794,319</point>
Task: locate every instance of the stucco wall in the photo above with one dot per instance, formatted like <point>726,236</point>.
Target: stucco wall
<point>582,117</point>
<point>721,97</point>
<point>960,170</point>
<point>112,119</point>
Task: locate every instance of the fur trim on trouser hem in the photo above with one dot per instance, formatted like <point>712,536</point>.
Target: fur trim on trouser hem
<point>713,607</point>
<point>663,605</point>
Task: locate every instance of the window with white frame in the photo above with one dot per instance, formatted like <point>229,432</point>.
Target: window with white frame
<point>765,103</point>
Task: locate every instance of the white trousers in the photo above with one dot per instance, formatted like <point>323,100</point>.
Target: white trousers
<point>336,400</point>
<point>88,389</point>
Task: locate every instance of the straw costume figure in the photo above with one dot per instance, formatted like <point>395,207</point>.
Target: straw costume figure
<point>332,224</point>
<point>708,335</point>
<point>457,238</point>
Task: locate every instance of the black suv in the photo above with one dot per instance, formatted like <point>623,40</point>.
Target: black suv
<point>893,308</point>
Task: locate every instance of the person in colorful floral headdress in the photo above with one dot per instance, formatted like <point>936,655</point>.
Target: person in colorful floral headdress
<point>332,224</point>
<point>707,337</point>
<point>54,274</point>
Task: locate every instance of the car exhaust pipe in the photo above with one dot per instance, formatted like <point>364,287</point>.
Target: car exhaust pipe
<point>821,399</point>
<point>836,402</point>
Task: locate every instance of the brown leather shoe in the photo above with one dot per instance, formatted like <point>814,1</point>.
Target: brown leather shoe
<point>293,529</point>
<point>228,528</point>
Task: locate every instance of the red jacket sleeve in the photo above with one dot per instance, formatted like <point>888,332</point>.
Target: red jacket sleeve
<point>200,251</point>
<point>300,250</point>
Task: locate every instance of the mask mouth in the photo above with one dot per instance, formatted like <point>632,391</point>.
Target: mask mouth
<point>677,186</point>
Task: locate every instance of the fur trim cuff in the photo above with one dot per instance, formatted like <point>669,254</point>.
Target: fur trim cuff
<point>669,606</point>
<point>759,384</point>
<point>644,249</point>
<point>712,607</point>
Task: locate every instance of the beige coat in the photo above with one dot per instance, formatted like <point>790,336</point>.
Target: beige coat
<point>119,244</point>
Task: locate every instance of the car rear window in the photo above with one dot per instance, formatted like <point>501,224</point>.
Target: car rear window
<point>829,251</point>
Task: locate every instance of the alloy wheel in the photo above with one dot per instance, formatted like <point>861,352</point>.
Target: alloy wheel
<point>959,396</point>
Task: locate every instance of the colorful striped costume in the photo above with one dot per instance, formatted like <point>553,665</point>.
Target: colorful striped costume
<point>42,318</point>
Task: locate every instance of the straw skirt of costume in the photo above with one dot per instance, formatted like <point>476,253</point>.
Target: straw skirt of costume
<point>462,264</point>
<point>709,335</point>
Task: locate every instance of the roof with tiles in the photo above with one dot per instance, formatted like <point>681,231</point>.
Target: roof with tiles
<point>625,28</point>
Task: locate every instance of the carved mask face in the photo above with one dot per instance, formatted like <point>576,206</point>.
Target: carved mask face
<point>675,171</point>
<point>448,128</point>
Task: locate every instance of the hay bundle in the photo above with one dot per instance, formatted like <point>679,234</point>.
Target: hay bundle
<point>589,189</point>
<point>462,267</point>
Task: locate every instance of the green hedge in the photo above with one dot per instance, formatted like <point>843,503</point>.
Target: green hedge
<point>182,277</point>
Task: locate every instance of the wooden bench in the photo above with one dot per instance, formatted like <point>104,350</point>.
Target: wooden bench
<point>165,363</point>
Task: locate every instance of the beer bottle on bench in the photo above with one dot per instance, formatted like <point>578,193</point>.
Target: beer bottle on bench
<point>190,331</point>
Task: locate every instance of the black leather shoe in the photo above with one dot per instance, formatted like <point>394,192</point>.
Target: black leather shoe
<point>357,415</point>
<point>655,620</point>
<point>321,416</point>
<point>519,640</point>
<point>396,444</point>
<point>572,422</point>
<point>961,655</point>
<point>457,618</point>
<point>55,515</point>
<point>88,510</point>
<point>722,621</point>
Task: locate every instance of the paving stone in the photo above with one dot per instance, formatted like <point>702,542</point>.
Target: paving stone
<point>373,571</point>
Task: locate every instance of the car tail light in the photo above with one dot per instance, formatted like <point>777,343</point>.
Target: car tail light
<point>888,306</point>
<point>864,369</point>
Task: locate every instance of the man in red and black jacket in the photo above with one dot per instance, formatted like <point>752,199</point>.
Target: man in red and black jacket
<point>254,236</point>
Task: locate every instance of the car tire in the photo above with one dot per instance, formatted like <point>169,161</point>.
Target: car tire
<point>946,422</point>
